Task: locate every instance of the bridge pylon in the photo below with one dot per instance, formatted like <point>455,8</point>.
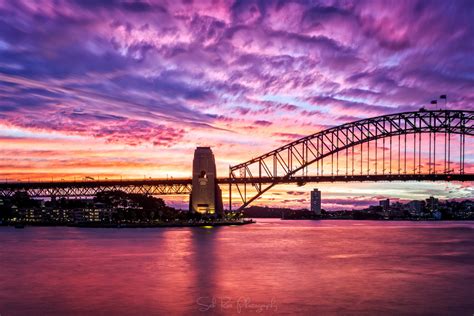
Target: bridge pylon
<point>206,196</point>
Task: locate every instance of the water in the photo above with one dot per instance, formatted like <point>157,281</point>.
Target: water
<point>272,267</point>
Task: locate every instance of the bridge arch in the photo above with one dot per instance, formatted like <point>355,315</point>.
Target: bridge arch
<point>286,162</point>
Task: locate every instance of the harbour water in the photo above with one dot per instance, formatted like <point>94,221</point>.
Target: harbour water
<point>272,267</point>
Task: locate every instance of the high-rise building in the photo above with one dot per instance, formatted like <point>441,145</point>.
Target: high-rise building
<point>385,204</point>
<point>432,203</point>
<point>316,201</point>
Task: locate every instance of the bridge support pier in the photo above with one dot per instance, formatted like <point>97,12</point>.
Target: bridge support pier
<point>206,196</point>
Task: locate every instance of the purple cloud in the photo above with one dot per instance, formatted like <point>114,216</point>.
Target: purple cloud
<point>164,73</point>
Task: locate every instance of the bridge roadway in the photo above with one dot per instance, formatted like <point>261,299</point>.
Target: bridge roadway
<point>177,186</point>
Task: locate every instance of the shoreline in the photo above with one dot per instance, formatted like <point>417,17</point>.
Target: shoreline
<point>159,225</point>
<point>379,220</point>
<point>372,219</point>
<point>136,225</point>
<point>208,224</point>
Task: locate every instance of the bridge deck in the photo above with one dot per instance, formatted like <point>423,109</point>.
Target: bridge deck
<point>293,179</point>
<point>183,185</point>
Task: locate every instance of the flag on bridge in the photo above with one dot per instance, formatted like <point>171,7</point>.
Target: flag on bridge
<point>434,102</point>
<point>443,96</point>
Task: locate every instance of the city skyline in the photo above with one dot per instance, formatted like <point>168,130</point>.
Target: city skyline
<point>129,89</point>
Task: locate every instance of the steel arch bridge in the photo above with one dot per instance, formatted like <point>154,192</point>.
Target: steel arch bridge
<point>409,146</point>
<point>415,146</point>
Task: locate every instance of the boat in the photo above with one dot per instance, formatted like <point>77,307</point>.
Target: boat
<point>19,226</point>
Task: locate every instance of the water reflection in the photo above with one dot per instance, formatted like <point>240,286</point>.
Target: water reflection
<point>205,263</point>
<point>289,267</point>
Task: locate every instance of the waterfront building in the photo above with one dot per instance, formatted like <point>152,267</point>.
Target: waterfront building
<point>416,207</point>
<point>432,203</point>
<point>33,215</point>
<point>92,215</point>
<point>385,204</point>
<point>78,215</point>
<point>316,201</point>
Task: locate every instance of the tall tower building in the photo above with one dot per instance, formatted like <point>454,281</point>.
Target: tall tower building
<point>316,201</point>
<point>432,203</point>
<point>385,204</point>
<point>206,196</point>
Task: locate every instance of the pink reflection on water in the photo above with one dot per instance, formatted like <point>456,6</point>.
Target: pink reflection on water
<point>271,267</point>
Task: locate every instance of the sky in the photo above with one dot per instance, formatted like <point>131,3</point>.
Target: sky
<point>129,88</point>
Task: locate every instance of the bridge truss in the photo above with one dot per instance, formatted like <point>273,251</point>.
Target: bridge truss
<point>80,189</point>
<point>411,145</point>
<point>91,188</point>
